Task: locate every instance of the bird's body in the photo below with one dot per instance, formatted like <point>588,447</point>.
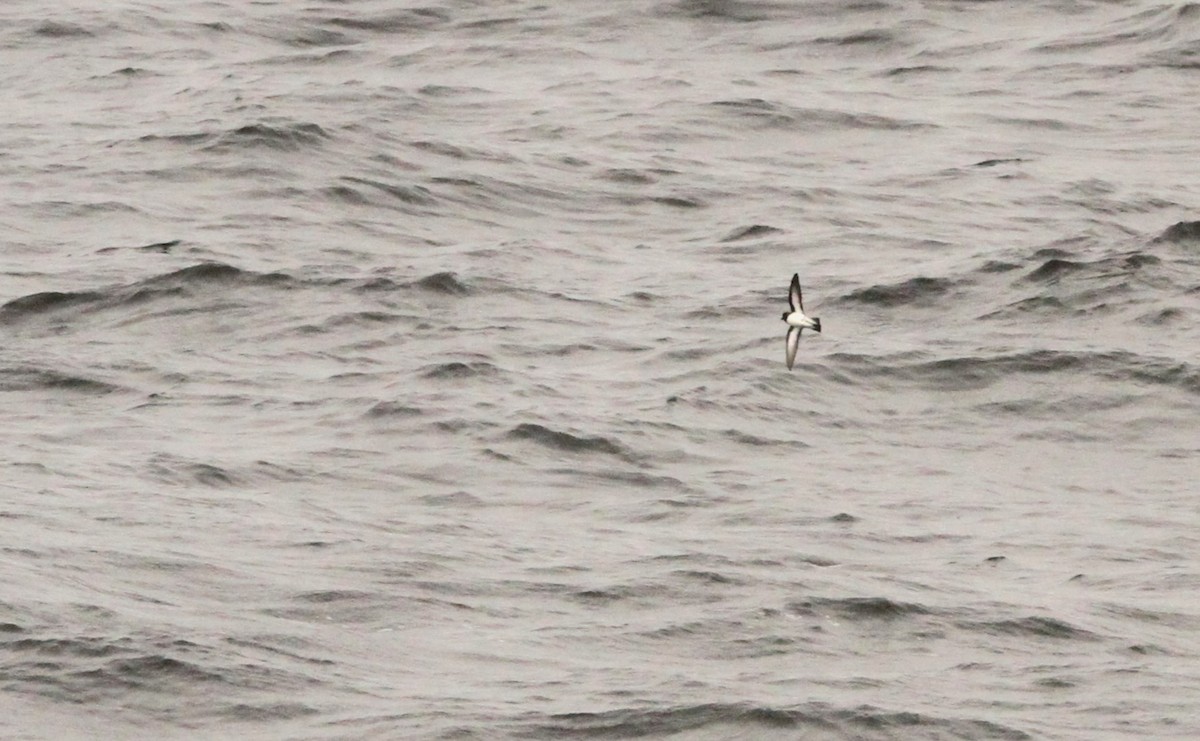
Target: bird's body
<point>801,320</point>
<point>797,320</point>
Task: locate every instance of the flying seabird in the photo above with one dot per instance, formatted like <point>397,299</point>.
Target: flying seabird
<point>796,320</point>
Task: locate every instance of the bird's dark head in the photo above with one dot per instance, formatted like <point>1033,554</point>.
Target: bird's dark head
<point>785,316</point>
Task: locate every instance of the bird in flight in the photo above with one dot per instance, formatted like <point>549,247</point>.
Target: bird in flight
<point>796,320</point>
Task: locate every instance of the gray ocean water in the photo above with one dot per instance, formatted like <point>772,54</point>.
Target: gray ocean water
<point>385,371</point>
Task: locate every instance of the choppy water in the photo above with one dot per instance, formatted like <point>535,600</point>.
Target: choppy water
<point>386,371</point>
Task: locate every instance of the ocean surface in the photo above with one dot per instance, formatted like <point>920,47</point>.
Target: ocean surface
<point>374,370</point>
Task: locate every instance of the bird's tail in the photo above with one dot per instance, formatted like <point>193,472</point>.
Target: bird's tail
<point>816,324</point>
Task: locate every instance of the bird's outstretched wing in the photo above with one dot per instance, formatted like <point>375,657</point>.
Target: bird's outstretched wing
<point>795,300</point>
<point>793,342</point>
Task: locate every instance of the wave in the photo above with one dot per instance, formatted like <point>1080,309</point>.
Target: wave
<point>394,409</point>
<point>162,248</point>
<point>751,231</point>
<point>193,279</point>
<point>61,30</point>
<point>672,201</point>
<point>565,441</point>
<point>46,302</point>
<point>630,176</point>
<point>456,152</point>
<point>1165,317</point>
<point>770,114</point>
<point>460,370</point>
<point>278,135</point>
<point>979,371</point>
<point>917,69</point>
<point>57,209</point>
<point>918,291</point>
<point>113,668</point>
<point>179,471</point>
<point>286,136</point>
<point>315,37</point>
<point>1000,161</point>
<point>357,191</point>
<point>1053,269</point>
<point>736,11</point>
<point>28,379</point>
<point>1066,284</point>
<point>1058,267</point>
<point>730,720</point>
<point>1032,627</point>
<point>446,283</point>
<point>857,608</point>
<point>266,712</point>
<point>638,480</point>
<point>1183,232</point>
<point>215,286</point>
<point>1156,25</point>
<point>82,647</point>
<point>125,73</point>
<point>399,21</point>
